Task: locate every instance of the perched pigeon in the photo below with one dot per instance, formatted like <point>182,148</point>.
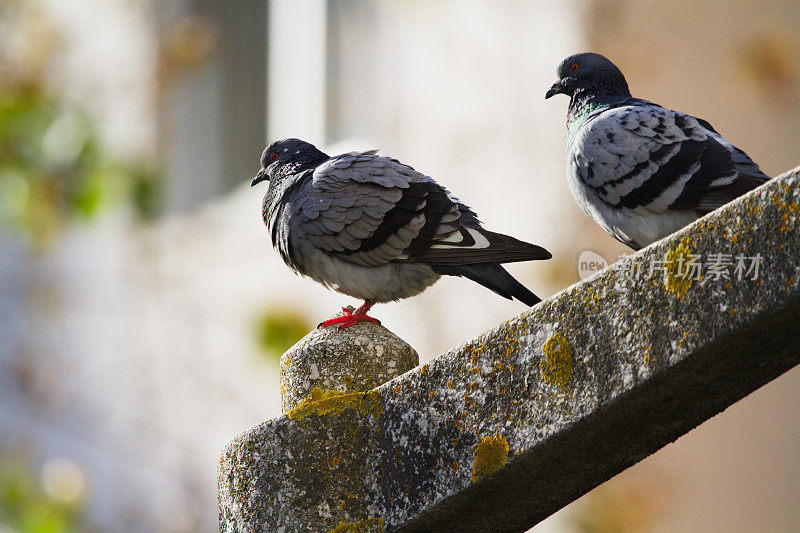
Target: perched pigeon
<point>373,228</point>
<point>640,170</point>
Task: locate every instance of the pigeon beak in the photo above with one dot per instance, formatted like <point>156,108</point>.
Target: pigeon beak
<point>557,88</point>
<point>261,176</point>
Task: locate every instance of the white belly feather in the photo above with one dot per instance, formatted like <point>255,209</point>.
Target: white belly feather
<point>383,283</point>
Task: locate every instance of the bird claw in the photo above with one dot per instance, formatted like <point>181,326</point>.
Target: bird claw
<point>349,318</point>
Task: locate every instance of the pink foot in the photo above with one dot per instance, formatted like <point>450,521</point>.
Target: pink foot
<point>349,318</point>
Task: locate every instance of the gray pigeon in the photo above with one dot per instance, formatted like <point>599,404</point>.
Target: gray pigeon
<point>639,170</point>
<point>373,228</point>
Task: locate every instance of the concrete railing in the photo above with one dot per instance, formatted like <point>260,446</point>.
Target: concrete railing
<point>503,431</point>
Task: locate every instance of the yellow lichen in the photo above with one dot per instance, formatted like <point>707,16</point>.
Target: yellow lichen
<point>592,299</point>
<point>475,354</point>
<point>512,347</point>
<point>424,369</point>
<point>556,366</point>
<point>492,454</point>
<point>786,209</point>
<point>677,278</point>
<point>368,525</point>
<point>324,402</point>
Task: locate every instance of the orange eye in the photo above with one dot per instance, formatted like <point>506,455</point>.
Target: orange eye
<point>573,67</point>
<point>274,156</point>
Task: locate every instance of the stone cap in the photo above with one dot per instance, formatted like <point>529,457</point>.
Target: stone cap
<point>355,359</point>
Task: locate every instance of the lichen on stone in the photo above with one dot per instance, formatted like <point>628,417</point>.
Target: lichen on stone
<point>475,353</point>
<point>368,525</point>
<point>677,280</point>
<point>786,209</point>
<point>324,402</point>
<point>490,457</point>
<point>556,366</point>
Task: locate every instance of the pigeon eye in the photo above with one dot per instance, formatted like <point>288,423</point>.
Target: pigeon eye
<point>274,156</point>
<point>573,67</point>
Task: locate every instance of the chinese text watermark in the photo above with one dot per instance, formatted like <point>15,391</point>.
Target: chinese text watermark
<point>697,267</point>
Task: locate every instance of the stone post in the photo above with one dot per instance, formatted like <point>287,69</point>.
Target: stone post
<point>334,361</point>
<point>312,477</point>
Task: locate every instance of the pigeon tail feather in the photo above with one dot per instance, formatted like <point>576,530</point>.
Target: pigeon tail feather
<point>494,277</point>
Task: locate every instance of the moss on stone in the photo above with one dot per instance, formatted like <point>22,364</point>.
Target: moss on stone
<point>492,454</point>
<point>556,367</point>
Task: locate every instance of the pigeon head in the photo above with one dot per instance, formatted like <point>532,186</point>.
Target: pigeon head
<point>591,75</point>
<point>286,157</point>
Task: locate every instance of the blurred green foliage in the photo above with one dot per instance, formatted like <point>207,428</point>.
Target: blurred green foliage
<point>26,508</point>
<point>278,329</point>
<point>53,165</point>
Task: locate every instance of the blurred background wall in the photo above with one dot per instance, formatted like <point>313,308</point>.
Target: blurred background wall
<point>142,311</point>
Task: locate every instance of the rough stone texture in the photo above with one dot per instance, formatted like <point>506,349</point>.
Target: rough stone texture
<point>355,359</point>
<point>327,394</point>
<point>501,432</point>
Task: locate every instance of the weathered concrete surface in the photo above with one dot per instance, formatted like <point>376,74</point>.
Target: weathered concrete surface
<point>500,433</point>
<point>327,391</point>
<point>355,359</point>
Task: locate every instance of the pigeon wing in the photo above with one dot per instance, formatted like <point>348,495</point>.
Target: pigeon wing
<point>367,209</point>
<point>648,158</point>
<point>371,210</point>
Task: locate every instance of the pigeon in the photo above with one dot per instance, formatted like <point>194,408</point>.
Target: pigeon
<point>374,228</point>
<point>640,170</point>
